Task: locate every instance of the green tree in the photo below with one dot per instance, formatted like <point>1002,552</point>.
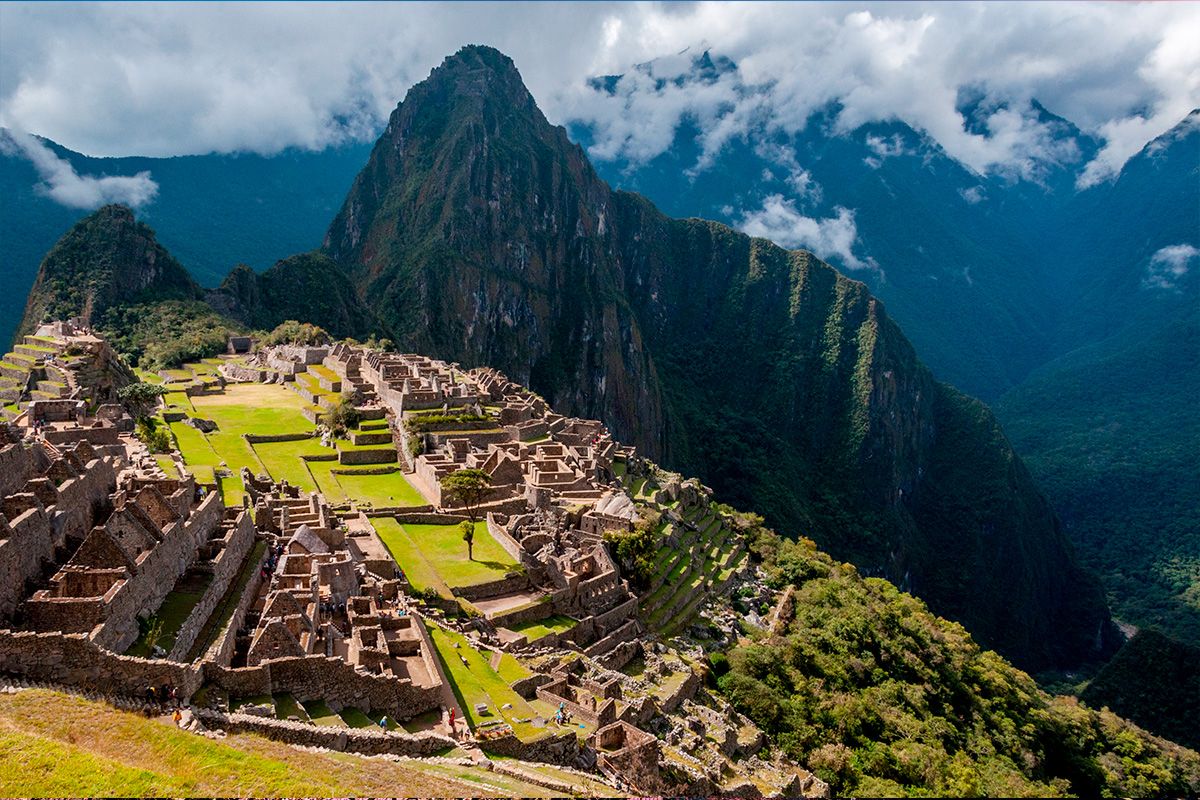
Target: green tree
<point>468,534</point>
<point>140,398</point>
<point>467,488</point>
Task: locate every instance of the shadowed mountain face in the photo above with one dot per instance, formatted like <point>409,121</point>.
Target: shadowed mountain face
<point>479,233</point>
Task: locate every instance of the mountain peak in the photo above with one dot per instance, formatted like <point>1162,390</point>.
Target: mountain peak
<point>105,259</point>
<point>474,72</point>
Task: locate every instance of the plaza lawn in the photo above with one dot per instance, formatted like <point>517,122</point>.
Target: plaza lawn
<point>442,548</point>
<point>381,491</point>
<point>536,630</point>
<point>476,682</point>
<point>284,460</point>
<point>419,572</point>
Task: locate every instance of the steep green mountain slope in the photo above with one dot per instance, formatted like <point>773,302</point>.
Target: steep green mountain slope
<point>308,286</point>
<point>107,258</point>
<point>481,234</point>
<point>1110,429</point>
<point>1154,681</point>
<point>212,211</point>
<point>110,269</point>
<point>880,698</point>
<point>1111,433</point>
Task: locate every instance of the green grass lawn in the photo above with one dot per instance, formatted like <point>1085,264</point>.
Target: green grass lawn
<point>355,718</point>
<point>321,714</point>
<point>419,571</point>
<point>536,630</point>
<point>443,547</point>
<point>476,682</point>
<point>381,491</point>
<point>284,461</point>
<point>286,706</point>
<point>326,481</point>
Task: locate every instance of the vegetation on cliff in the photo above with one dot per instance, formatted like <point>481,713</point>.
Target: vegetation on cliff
<point>879,697</point>
<point>1155,681</point>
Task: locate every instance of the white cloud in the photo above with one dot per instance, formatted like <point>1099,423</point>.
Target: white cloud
<point>64,185</point>
<point>167,79</point>
<point>832,238</point>
<point>1168,265</point>
<point>972,195</point>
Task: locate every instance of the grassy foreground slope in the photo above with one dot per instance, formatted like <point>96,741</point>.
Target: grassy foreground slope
<point>59,745</point>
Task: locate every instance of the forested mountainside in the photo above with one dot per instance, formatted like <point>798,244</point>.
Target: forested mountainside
<point>213,211</point>
<point>880,698</point>
<point>110,269</point>
<point>1066,307</point>
<point>1155,681</point>
<point>479,233</point>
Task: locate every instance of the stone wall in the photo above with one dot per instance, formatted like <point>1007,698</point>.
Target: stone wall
<point>75,660</point>
<point>225,570</point>
<point>331,679</point>
<point>365,741</point>
<point>221,652</point>
<point>265,438</point>
<point>513,583</point>
<point>558,748</point>
<point>156,574</point>
<point>17,465</point>
<point>381,455</point>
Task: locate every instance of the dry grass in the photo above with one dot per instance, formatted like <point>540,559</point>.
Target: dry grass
<point>52,744</point>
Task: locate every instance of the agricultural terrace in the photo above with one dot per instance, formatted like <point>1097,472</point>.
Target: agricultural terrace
<point>271,409</point>
<point>435,556</point>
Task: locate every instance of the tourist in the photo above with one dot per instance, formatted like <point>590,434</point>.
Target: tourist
<point>383,722</point>
<point>453,730</point>
<point>177,716</point>
<point>174,697</point>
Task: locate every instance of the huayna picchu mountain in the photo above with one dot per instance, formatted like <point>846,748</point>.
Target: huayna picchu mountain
<point>479,233</point>
<point>106,259</point>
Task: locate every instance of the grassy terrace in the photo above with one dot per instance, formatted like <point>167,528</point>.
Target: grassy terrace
<point>224,611</point>
<point>554,624</point>
<point>58,745</point>
<point>474,681</point>
<point>435,556</point>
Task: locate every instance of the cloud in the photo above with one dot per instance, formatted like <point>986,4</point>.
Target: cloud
<point>972,195</point>
<point>169,79</point>
<point>61,183</point>
<point>1168,265</point>
<point>832,238</point>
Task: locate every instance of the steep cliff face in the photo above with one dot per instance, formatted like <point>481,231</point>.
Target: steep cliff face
<point>107,258</point>
<point>479,233</point>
